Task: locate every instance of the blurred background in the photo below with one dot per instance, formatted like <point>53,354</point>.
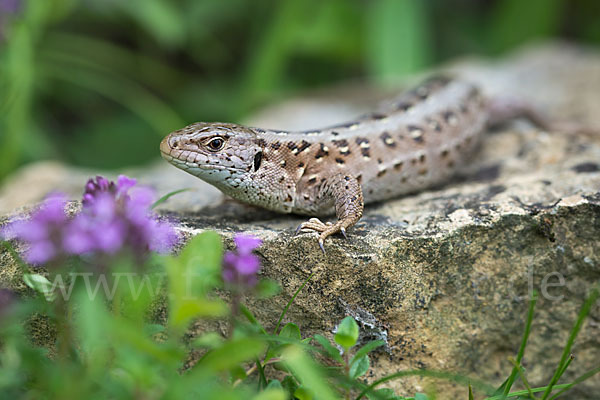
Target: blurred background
<point>98,83</point>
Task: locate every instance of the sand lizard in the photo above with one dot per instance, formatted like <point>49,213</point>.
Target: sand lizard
<point>413,142</point>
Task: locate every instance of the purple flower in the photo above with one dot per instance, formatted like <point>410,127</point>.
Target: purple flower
<point>115,217</point>
<point>10,6</point>
<point>95,187</point>
<point>241,266</point>
<point>44,231</point>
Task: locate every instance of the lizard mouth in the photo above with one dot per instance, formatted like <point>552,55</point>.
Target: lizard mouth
<point>187,165</point>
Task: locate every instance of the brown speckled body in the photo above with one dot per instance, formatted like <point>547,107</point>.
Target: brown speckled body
<point>415,141</point>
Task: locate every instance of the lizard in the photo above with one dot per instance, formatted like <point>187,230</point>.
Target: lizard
<point>415,141</point>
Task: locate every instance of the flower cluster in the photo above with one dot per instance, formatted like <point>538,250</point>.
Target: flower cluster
<point>115,216</point>
<point>241,266</point>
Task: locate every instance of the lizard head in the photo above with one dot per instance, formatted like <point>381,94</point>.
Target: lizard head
<point>218,153</point>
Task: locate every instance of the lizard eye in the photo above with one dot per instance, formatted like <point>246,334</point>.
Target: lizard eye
<point>216,144</point>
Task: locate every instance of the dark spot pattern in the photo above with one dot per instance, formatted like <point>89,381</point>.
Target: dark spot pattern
<point>261,142</point>
<point>398,165</point>
<point>303,146</point>
<point>365,152</point>
<point>312,180</point>
<point>422,158</point>
<point>381,173</point>
<point>416,133</point>
<point>340,161</point>
<point>292,145</point>
<point>444,153</point>
<point>300,165</point>
<point>340,143</point>
<point>275,145</point>
<point>387,139</point>
<point>322,152</point>
<point>361,140</point>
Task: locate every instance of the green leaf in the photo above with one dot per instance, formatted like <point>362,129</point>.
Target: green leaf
<point>192,276</point>
<point>237,372</point>
<point>308,372</point>
<point>303,394</point>
<point>267,288</point>
<point>209,340</point>
<point>359,367</point>
<point>347,333</point>
<point>385,393</point>
<point>289,303</point>
<point>274,384</point>
<point>272,393</point>
<point>421,396</point>
<point>366,349</point>
<point>167,197</point>
<point>153,329</point>
<point>187,309</point>
<point>250,317</point>
<point>40,284</point>
<point>291,331</point>
<point>230,355</point>
<point>471,393</point>
<point>331,350</point>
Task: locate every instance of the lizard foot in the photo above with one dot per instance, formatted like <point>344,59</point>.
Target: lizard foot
<point>325,229</point>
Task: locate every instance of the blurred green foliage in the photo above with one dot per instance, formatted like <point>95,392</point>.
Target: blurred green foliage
<point>98,83</point>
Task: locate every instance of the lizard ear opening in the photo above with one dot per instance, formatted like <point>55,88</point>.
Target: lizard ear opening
<point>257,160</point>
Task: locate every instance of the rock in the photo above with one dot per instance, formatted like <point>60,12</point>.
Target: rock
<point>442,276</point>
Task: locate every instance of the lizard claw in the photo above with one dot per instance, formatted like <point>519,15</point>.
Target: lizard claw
<point>343,230</point>
<point>321,245</point>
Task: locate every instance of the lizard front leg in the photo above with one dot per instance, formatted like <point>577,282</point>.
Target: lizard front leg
<point>346,194</point>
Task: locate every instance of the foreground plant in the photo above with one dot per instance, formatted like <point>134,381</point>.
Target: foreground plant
<point>129,335</point>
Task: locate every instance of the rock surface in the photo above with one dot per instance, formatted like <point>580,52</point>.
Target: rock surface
<point>443,276</point>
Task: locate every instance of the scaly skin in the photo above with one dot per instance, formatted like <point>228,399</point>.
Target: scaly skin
<point>416,141</point>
